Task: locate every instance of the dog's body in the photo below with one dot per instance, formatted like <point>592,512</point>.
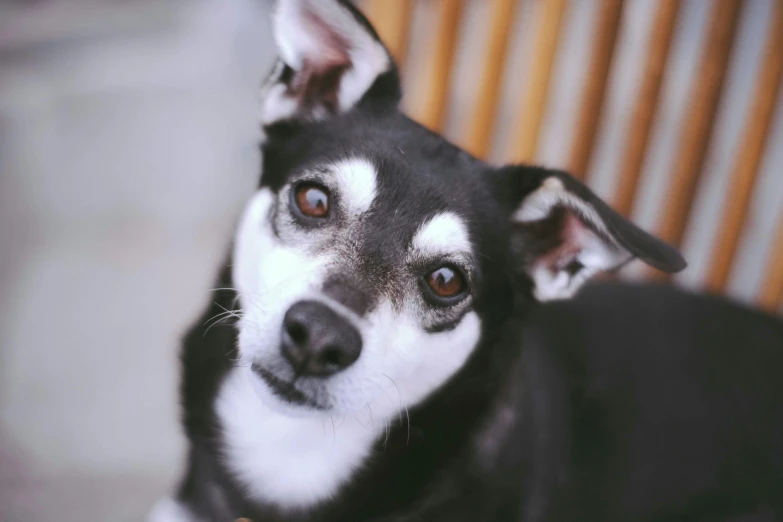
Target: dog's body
<point>580,418</point>
<point>389,360</point>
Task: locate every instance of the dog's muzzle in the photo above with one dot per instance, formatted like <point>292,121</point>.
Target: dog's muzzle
<point>317,341</point>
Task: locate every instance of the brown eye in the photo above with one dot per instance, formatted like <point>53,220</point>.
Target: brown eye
<point>445,282</point>
<point>312,200</point>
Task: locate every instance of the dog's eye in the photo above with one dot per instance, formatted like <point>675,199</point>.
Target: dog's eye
<point>445,282</point>
<point>312,200</point>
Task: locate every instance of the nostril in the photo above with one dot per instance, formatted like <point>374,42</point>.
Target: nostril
<point>297,332</point>
<point>317,341</point>
<point>333,356</point>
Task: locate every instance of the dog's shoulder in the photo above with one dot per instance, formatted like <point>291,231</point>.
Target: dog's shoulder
<point>615,337</point>
<point>652,378</point>
<point>632,317</point>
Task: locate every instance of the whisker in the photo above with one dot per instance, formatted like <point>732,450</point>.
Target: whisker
<point>365,426</point>
<point>233,312</point>
<point>408,416</point>
<point>220,317</point>
<point>402,407</point>
<point>372,419</point>
<point>214,323</point>
<point>216,316</point>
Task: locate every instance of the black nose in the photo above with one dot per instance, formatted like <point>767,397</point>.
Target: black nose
<point>317,341</point>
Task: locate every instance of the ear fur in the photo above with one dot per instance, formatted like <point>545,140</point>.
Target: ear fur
<point>563,234</point>
<point>330,57</point>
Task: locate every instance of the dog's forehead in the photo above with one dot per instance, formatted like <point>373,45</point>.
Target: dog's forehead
<point>404,167</point>
<point>418,195</point>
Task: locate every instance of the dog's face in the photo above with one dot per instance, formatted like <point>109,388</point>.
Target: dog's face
<point>376,256</point>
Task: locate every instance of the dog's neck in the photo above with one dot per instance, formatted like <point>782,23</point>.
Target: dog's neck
<point>290,462</point>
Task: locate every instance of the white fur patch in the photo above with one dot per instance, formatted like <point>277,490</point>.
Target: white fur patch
<point>357,185</point>
<point>276,104</point>
<point>290,461</point>
<point>169,510</point>
<point>297,460</point>
<point>443,234</point>
<point>269,275</point>
<point>289,454</point>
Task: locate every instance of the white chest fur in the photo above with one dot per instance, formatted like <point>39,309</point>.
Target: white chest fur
<point>291,462</point>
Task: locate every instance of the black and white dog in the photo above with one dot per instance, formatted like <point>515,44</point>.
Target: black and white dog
<point>391,358</point>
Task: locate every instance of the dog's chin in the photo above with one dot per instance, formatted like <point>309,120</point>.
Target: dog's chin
<point>284,396</point>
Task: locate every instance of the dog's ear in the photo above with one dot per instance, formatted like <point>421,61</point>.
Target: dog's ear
<point>562,233</point>
<point>330,58</point>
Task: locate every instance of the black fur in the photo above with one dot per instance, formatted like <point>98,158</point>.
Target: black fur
<point>628,403</point>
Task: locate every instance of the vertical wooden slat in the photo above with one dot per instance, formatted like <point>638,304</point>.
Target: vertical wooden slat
<point>699,119</point>
<point>392,20</point>
<point>592,100</point>
<point>751,150</point>
<point>432,113</point>
<point>548,24</point>
<point>771,296</point>
<point>641,121</point>
<point>480,134</point>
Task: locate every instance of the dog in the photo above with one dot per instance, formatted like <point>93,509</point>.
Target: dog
<point>402,344</point>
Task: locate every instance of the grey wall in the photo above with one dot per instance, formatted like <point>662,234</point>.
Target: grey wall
<point>127,146</point>
<point>128,143</point>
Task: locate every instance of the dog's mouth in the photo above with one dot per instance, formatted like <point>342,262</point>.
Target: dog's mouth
<point>284,389</point>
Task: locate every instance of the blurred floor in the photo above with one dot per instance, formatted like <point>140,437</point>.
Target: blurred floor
<point>128,143</point>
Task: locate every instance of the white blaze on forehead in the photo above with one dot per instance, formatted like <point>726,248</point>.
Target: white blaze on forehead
<point>356,180</point>
<point>443,234</point>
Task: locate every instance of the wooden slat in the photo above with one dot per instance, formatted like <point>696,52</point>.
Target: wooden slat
<point>433,112</point>
<point>392,20</point>
<point>641,121</point>
<point>480,135</point>
<point>751,150</point>
<point>771,296</point>
<point>592,101</point>
<point>699,118</point>
<point>536,93</point>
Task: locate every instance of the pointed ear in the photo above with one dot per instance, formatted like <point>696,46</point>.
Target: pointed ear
<point>330,58</point>
<point>563,234</point>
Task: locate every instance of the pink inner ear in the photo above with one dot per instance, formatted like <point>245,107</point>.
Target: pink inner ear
<point>572,236</point>
<point>318,84</point>
<point>334,48</point>
<point>319,80</point>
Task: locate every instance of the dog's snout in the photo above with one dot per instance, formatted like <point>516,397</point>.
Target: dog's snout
<point>317,341</point>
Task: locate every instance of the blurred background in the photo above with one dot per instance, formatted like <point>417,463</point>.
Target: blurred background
<point>128,144</point>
